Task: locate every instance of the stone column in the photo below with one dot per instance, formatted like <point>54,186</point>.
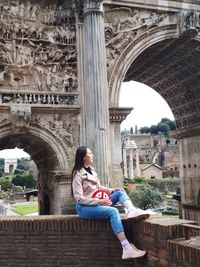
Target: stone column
<point>95,87</point>
<point>125,163</point>
<point>131,163</point>
<point>137,171</point>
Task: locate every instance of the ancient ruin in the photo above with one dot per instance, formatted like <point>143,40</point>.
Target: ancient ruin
<point>61,67</point>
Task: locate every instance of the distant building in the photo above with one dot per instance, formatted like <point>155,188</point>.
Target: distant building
<point>151,171</point>
<point>149,149</point>
<point>10,165</point>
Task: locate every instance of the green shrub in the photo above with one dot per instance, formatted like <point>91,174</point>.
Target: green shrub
<point>146,198</point>
<point>24,179</point>
<point>165,185</point>
<point>5,183</point>
<point>170,211</point>
<point>140,180</point>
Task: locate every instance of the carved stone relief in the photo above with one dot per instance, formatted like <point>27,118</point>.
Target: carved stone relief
<point>37,48</point>
<point>62,126</point>
<point>189,23</point>
<point>20,115</point>
<point>123,25</point>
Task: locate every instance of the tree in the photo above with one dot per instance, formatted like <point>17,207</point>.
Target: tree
<point>23,163</point>
<point>170,123</point>
<point>24,180</point>
<point>2,163</point>
<point>1,166</point>
<point>163,128</point>
<point>146,198</point>
<point>144,129</point>
<point>5,183</point>
<point>154,129</point>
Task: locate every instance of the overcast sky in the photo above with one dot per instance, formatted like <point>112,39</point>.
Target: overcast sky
<point>13,154</point>
<point>149,106</point>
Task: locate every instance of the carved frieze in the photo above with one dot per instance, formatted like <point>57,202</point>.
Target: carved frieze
<point>123,25</point>
<point>62,126</point>
<point>41,99</point>
<point>37,47</point>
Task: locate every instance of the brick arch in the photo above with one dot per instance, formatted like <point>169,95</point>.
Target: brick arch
<point>50,157</point>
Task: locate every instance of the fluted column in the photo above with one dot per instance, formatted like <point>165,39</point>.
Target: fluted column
<point>125,163</point>
<point>137,172</point>
<point>131,163</point>
<point>95,87</point>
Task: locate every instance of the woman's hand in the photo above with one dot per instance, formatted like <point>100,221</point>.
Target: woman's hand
<point>105,202</point>
<point>118,189</point>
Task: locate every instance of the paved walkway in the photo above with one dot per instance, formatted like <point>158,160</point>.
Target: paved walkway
<point>5,209</point>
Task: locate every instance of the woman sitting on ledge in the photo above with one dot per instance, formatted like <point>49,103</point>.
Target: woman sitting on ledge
<point>85,185</point>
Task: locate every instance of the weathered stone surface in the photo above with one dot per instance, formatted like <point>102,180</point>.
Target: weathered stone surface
<point>61,67</point>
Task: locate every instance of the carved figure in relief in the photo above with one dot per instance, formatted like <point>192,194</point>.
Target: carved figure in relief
<point>190,20</point>
<point>24,45</point>
<point>33,12</point>
<point>68,135</point>
<point>120,41</point>
<point>12,81</point>
<point>21,10</point>
<point>55,125</point>
<point>131,22</point>
<point>21,115</point>
<point>153,20</point>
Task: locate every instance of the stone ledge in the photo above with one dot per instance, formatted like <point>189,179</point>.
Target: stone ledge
<point>70,241</point>
<point>185,250</point>
<point>73,222</point>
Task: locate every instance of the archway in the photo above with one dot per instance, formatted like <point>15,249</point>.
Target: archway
<point>50,159</point>
<point>170,65</point>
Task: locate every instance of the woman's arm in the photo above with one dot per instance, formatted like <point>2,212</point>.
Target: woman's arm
<point>78,192</point>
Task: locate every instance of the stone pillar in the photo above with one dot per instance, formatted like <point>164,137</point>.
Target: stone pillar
<point>190,176</point>
<point>125,163</point>
<point>137,171</point>
<point>95,87</point>
<point>131,163</point>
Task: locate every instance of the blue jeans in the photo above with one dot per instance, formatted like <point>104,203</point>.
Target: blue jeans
<point>105,212</point>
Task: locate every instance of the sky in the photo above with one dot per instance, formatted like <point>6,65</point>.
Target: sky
<point>13,154</point>
<point>149,108</point>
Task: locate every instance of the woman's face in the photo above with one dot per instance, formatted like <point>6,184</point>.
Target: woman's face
<point>88,159</point>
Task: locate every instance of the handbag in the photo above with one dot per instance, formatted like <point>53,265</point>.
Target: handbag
<point>101,194</point>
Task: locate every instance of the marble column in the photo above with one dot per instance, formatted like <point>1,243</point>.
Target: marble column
<point>96,108</point>
<point>125,163</point>
<point>137,171</point>
<point>131,163</point>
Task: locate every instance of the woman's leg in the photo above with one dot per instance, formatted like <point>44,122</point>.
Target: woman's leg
<point>133,212</point>
<point>106,212</point>
<point>101,212</point>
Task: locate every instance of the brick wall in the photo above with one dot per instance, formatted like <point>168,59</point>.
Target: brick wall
<point>70,241</point>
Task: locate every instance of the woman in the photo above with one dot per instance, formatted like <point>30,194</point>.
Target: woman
<point>85,185</point>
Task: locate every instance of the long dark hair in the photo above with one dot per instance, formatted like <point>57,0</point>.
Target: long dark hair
<point>79,162</point>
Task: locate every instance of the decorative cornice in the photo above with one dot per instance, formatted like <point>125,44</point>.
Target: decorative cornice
<point>92,6</point>
<point>119,114</point>
<point>186,132</point>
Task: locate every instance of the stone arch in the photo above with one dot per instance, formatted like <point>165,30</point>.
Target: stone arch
<point>135,48</point>
<point>169,63</point>
<point>50,157</point>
